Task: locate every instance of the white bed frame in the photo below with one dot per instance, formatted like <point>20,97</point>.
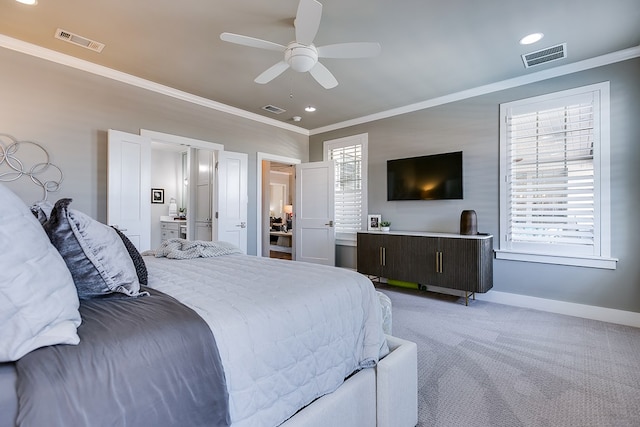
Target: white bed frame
<point>386,396</point>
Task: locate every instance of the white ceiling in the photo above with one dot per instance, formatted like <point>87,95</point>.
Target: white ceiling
<point>430,48</point>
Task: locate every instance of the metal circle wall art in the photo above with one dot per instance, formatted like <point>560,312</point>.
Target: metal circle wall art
<point>43,173</point>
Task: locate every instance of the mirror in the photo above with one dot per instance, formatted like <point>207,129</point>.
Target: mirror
<point>277,200</point>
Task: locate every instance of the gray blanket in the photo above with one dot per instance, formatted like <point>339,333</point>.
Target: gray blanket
<point>190,249</point>
<point>147,361</point>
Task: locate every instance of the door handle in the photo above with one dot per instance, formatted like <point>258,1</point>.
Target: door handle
<point>438,262</point>
<point>330,223</point>
<point>242,225</point>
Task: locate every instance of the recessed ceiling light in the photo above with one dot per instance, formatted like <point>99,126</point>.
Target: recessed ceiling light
<point>531,38</point>
<point>309,108</point>
<point>29,2</point>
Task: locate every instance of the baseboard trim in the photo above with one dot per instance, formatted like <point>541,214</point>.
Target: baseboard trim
<point>603,314</point>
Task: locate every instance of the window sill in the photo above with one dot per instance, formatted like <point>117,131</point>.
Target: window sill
<point>346,241</point>
<point>592,262</point>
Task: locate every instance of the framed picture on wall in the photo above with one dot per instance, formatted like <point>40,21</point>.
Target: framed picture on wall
<point>373,222</point>
<point>157,195</point>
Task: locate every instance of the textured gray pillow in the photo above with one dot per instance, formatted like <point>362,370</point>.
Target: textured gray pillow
<point>94,253</point>
<point>138,262</point>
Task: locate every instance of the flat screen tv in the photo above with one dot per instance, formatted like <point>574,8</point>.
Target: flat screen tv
<point>434,177</point>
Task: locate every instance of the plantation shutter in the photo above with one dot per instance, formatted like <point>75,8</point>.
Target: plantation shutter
<point>551,182</point>
<point>349,185</point>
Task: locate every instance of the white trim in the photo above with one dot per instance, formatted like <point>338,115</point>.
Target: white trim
<point>89,67</point>
<point>600,255</point>
<point>602,314</point>
<point>586,64</point>
<point>181,140</point>
<point>272,158</point>
<point>347,239</point>
<point>593,262</point>
<point>347,242</point>
<point>60,58</point>
<point>70,61</point>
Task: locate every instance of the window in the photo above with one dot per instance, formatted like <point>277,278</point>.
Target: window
<point>554,169</point>
<point>350,157</point>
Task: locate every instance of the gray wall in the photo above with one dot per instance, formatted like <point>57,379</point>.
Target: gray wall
<point>69,112</point>
<point>472,126</point>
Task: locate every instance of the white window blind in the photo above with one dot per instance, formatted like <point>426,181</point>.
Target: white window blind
<point>349,155</point>
<point>348,204</point>
<point>553,188</point>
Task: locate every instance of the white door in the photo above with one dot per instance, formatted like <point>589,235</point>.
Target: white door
<point>314,231</point>
<point>129,186</point>
<point>232,198</point>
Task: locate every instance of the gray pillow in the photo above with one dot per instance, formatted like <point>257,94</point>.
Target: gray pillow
<point>138,262</point>
<point>94,253</point>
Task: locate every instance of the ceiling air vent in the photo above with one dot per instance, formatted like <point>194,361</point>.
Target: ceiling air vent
<point>273,109</point>
<point>79,40</point>
<point>543,56</point>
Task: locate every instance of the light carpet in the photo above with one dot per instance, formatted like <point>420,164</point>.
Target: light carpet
<point>490,364</point>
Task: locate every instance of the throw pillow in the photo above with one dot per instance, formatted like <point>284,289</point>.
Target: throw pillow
<point>39,303</point>
<point>42,210</point>
<point>95,254</point>
<point>138,262</point>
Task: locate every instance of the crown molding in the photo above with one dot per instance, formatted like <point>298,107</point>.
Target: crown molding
<point>89,67</point>
<point>79,64</point>
<point>586,64</point>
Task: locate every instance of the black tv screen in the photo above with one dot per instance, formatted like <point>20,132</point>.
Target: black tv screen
<point>434,177</point>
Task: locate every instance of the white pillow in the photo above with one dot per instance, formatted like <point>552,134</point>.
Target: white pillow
<point>38,299</point>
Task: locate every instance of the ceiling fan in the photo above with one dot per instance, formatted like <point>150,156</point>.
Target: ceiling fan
<point>301,55</point>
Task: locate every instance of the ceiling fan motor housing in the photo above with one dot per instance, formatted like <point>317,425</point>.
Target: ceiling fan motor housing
<point>301,57</point>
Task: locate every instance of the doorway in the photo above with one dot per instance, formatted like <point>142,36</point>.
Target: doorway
<point>220,177</point>
<point>276,201</point>
<point>280,205</point>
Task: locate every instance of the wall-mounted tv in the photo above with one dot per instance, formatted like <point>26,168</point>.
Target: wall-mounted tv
<point>433,177</point>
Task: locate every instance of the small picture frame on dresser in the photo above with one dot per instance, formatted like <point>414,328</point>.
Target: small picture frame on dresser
<point>373,222</point>
<point>157,195</point>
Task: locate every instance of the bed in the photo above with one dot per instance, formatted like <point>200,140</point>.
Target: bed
<point>200,336</point>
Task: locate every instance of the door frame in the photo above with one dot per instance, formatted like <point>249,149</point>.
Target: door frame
<point>187,142</point>
<point>259,214</point>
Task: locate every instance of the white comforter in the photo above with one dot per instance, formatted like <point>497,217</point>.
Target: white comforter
<point>287,332</point>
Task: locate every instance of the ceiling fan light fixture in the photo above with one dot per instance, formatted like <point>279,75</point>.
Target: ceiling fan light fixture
<point>301,55</point>
<point>301,58</point>
<point>531,38</point>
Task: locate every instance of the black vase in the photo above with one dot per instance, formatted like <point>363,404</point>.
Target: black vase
<point>468,223</point>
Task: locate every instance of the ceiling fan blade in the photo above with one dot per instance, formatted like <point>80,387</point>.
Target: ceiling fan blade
<point>323,76</point>
<point>272,72</point>
<point>307,21</point>
<point>251,42</point>
<point>349,50</point>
